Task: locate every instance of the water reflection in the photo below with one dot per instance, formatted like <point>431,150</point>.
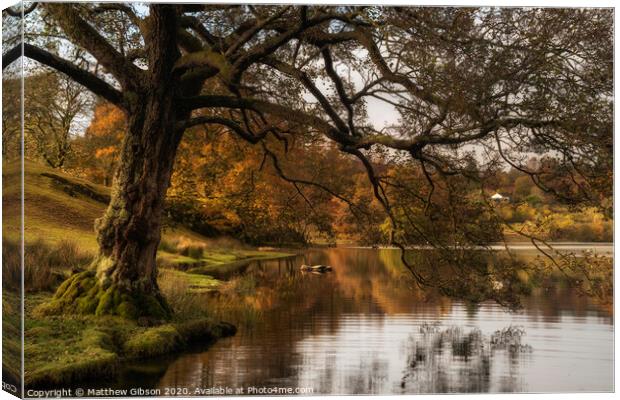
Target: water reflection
<point>364,328</point>
<point>451,360</point>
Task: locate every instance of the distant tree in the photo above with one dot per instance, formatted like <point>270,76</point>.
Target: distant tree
<point>509,81</point>
<point>222,185</point>
<point>54,111</point>
<point>523,187</point>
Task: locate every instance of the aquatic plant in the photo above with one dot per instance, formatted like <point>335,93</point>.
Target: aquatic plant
<point>509,339</point>
<point>437,349</point>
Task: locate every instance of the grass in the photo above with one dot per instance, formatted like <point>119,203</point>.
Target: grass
<point>225,263</point>
<point>45,266</point>
<point>236,301</point>
<point>195,297</point>
<point>50,211</point>
<point>172,260</point>
<point>185,292</point>
<point>153,342</point>
<point>62,350</point>
<point>198,258</point>
<point>190,283</point>
<point>11,336</point>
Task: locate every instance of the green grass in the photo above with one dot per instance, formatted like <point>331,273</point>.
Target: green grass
<point>153,342</point>
<point>174,260</point>
<point>197,283</point>
<point>11,335</point>
<point>64,350</point>
<point>50,211</point>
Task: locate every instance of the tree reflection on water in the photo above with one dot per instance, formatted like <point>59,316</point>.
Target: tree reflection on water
<point>444,360</point>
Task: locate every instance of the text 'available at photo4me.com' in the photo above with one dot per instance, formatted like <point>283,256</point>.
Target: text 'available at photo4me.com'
<point>169,391</point>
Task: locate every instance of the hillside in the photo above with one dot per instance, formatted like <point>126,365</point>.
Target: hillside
<point>59,207</point>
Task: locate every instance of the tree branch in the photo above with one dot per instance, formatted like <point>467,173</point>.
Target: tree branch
<point>84,78</point>
<point>352,206</point>
<point>311,87</point>
<point>286,113</point>
<point>10,56</point>
<point>205,120</point>
<point>84,35</point>
<point>18,13</point>
<point>247,35</point>
<point>101,8</point>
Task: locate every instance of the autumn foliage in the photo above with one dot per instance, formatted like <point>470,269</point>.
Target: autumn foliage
<point>307,191</point>
<point>98,148</point>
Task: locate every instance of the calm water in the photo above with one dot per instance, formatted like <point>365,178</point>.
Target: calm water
<point>363,329</point>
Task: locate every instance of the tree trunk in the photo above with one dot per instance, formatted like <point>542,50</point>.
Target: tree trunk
<point>123,277</point>
<point>130,231</point>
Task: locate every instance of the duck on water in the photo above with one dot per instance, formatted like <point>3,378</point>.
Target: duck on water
<point>316,268</point>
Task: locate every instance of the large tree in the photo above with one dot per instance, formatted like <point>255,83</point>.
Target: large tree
<point>502,83</point>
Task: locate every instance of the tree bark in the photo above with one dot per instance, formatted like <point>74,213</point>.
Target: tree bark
<point>130,230</point>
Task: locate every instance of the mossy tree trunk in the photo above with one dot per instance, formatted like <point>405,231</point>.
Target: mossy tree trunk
<point>123,278</point>
<point>130,230</point>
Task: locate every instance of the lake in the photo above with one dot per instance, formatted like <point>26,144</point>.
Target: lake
<point>364,329</point>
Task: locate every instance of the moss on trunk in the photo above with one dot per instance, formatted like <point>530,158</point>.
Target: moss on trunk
<point>83,293</point>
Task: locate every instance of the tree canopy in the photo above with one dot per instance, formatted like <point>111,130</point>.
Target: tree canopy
<point>444,96</point>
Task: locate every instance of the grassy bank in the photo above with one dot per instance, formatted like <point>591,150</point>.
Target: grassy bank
<point>60,212</point>
<point>60,207</point>
<point>199,257</point>
<point>63,350</point>
<point>233,262</point>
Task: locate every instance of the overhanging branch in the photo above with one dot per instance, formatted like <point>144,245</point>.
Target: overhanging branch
<point>286,113</point>
<point>18,13</point>
<point>84,78</point>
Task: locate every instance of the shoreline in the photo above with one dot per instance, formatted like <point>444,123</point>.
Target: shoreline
<point>109,349</point>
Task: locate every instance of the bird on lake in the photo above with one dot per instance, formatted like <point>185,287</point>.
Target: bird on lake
<point>316,268</point>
